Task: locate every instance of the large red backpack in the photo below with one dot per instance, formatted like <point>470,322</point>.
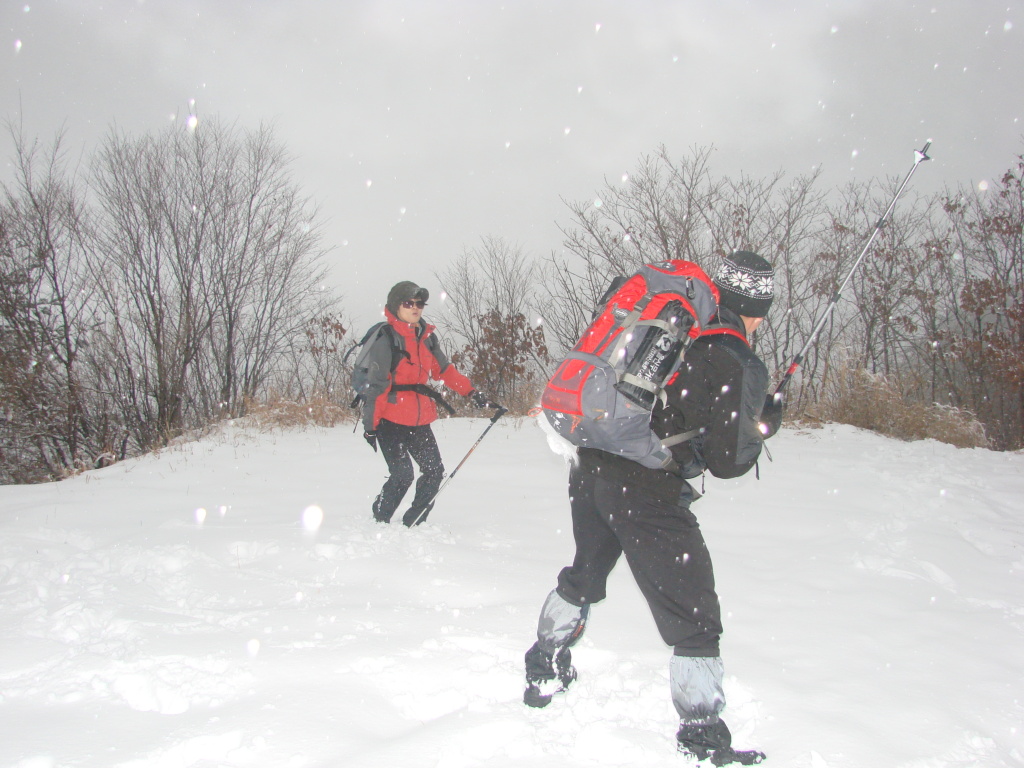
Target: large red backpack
<point>602,393</point>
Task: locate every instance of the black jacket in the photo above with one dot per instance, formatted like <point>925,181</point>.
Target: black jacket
<point>720,387</point>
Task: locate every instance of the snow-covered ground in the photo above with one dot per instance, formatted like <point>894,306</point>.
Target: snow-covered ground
<point>186,609</point>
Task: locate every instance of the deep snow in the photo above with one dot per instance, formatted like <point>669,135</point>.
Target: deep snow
<point>185,609</point>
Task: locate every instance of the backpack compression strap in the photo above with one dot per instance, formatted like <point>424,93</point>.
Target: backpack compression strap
<point>682,437</point>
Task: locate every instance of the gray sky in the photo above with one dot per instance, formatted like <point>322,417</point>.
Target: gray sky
<point>421,126</point>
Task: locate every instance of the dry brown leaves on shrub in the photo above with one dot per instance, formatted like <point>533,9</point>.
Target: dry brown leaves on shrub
<point>282,413</point>
<point>862,399</point>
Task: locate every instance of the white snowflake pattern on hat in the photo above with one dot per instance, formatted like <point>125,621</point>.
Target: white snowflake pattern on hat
<point>745,283</point>
<point>765,285</point>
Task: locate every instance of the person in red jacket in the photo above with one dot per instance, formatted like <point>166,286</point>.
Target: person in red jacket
<point>399,406</point>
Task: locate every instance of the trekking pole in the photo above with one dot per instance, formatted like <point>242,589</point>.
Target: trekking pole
<point>920,155</point>
<point>427,507</point>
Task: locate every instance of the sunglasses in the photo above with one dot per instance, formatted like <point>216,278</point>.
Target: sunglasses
<point>419,304</point>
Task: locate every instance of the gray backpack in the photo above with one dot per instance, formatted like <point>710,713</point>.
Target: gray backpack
<point>602,393</point>
<point>361,366</point>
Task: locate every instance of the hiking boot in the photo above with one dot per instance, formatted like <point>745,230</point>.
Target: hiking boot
<point>380,517</point>
<point>546,676</point>
<point>416,515</point>
<point>713,742</point>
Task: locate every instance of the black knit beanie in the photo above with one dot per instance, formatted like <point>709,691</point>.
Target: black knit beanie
<point>405,291</point>
<point>747,284</point>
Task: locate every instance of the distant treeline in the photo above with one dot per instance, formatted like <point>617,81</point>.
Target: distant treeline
<point>927,341</point>
<point>177,280</point>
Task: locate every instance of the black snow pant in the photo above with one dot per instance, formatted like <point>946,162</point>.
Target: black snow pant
<point>664,549</point>
<point>398,443</point>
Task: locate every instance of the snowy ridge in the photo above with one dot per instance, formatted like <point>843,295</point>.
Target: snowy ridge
<point>186,609</point>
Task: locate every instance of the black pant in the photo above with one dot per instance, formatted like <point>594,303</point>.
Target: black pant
<point>663,546</point>
<point>398,443</point>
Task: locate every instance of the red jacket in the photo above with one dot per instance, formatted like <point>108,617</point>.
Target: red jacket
<point>417,367</point>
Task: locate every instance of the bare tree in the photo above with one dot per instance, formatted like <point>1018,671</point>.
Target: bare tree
<point>792,241</point>
<point>663,211</point>
<point>265,268</point>
<point>679,210</point>
<point>46,300</point>
<point>184,287</point>
<point>976,288</point>
<point>211,269</point>
<point>489,295</point>
<point>936,309</point>
<point>150,235</point>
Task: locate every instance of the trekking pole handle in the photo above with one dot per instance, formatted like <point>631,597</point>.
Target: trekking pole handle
<point>922,154</point>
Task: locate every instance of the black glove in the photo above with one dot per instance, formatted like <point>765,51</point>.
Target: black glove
<point>771,414</point>
<point>480,400</point>
<point>371,438</point>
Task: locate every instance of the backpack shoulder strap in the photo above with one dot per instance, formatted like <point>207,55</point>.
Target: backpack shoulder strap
<point>721,329</point>
<point>373,330</point>
<point>398,350</point>
<point>371,333</point>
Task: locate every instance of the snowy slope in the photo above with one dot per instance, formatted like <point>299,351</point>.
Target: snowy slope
<point>184,609</point>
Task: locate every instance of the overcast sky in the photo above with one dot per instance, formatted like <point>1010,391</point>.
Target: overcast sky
<point>422,126</point>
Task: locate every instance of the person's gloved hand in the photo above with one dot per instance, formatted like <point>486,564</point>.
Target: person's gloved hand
<point>771,414</point>
<point>480,400</point>
<point>371,438</point>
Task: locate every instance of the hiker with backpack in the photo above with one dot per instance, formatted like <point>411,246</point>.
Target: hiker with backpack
<point>638,504</point>
<point>397,359</point>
